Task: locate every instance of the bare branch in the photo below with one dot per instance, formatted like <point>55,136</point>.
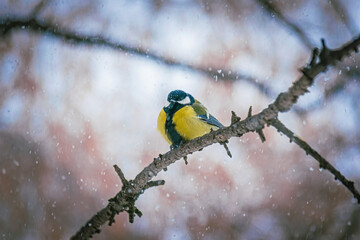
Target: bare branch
<point>123,201</point>
<point>37,26</point>
<point>128,195</point>
<point>40,6</point>
<point>323,163</point>
<point>344,16</point>
<point>273,11</point>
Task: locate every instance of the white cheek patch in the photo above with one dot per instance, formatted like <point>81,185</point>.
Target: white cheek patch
<point>185,101</point>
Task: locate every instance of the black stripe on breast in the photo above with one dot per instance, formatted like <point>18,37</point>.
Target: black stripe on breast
<point>170,130</point>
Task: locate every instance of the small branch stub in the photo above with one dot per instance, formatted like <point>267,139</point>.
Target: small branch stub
<point>234,118</point>
<point>121,175</point>
<point>227,148</point>
<point>185,160</point>
<point>130,195</point>
<point>260,131</point>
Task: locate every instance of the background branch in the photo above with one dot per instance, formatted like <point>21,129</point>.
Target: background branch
<point>38,8</point>
<point>344,16</point>
<point>8,25</point>
<point>37,26</point>
<point>272,10</point>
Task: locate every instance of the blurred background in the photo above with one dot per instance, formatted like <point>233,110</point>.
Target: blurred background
<point>70,111</point>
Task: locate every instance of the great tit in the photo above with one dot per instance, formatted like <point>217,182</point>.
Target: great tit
<point>184,118</point>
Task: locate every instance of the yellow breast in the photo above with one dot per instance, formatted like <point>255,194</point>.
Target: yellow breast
<point>161,125</point>
<point>188,125</point>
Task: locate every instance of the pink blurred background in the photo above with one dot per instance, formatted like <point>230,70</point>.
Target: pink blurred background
<point>69,112</point>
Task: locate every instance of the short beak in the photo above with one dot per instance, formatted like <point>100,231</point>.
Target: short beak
<point>170,106</point>
<point>172,102</point>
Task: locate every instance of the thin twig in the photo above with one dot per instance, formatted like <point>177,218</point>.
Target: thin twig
<point>40,6</point>
<point>154,184</point>
<point>340,9</point>
<point>226,148</point>
<point>273,11</point>
<point>323,163</point>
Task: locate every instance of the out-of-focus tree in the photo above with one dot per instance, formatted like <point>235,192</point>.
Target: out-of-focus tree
<point>81,85</point>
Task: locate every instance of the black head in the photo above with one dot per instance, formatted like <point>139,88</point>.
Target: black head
<point>178,99</point>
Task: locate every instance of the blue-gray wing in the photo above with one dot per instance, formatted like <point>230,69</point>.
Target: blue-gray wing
<point>210,119</point>
<point>203,114</point>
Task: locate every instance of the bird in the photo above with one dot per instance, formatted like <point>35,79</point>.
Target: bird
<point>184,118</point>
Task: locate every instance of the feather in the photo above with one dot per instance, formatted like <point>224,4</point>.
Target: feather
<point>204,115</point>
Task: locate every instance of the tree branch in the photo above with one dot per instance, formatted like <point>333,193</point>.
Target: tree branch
<point>123,201</point>
<point>9,24</point>
<point>40,6</point>
<point>34,25</point>
<point>283,103</point>
<point>340,9</point>
<point>273,11</point>
<point>323,163</point>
